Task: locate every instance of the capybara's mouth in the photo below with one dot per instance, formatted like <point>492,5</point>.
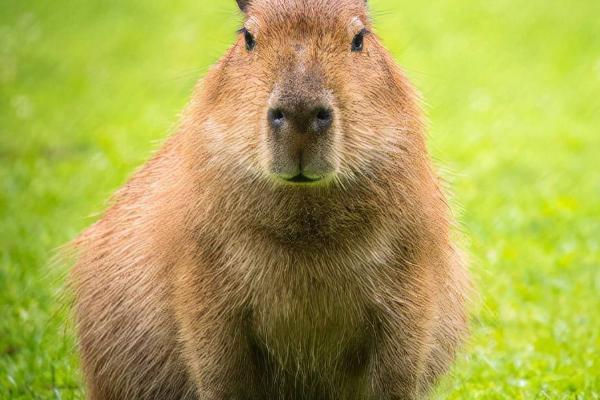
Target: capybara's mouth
<point>301,178</point>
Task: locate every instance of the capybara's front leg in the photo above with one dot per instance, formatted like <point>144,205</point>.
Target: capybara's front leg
<point>396,374</point>
<point>399,358</point>
<point>213,337</point>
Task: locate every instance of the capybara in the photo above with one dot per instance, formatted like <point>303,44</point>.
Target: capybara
<point>289,241</point>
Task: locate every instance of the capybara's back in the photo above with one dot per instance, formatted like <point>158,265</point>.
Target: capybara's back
<point>289,241</point>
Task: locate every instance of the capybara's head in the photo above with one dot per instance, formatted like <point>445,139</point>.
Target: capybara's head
<point>307,96</point>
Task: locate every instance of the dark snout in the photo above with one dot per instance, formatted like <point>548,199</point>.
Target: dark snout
<point>301,124</point>
<point>304,119</point>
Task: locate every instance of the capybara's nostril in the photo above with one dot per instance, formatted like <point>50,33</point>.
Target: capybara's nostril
<point>298,117</point>
<point>276,117</point>
<point>324,119</point>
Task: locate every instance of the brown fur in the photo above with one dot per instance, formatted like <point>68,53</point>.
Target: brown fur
<point>208,278</point>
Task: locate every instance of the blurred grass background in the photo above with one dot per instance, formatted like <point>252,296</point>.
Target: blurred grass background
<point>88,89</point>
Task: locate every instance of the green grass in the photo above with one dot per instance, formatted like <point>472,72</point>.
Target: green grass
<point>87,89</point>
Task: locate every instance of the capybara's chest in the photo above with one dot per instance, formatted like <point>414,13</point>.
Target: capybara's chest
<point>313,326</point>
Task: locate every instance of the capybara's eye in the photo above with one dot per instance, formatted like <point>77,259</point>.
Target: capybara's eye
<point>358,41</point>
<point>249,38</point>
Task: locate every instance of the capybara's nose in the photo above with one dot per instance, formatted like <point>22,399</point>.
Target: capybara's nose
<point>301,118</point>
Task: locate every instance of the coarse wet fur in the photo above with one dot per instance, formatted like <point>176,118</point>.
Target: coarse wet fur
<point>271,251</point>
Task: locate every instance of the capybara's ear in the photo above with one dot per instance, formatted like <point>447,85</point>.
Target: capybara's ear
<point>243,4</point>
